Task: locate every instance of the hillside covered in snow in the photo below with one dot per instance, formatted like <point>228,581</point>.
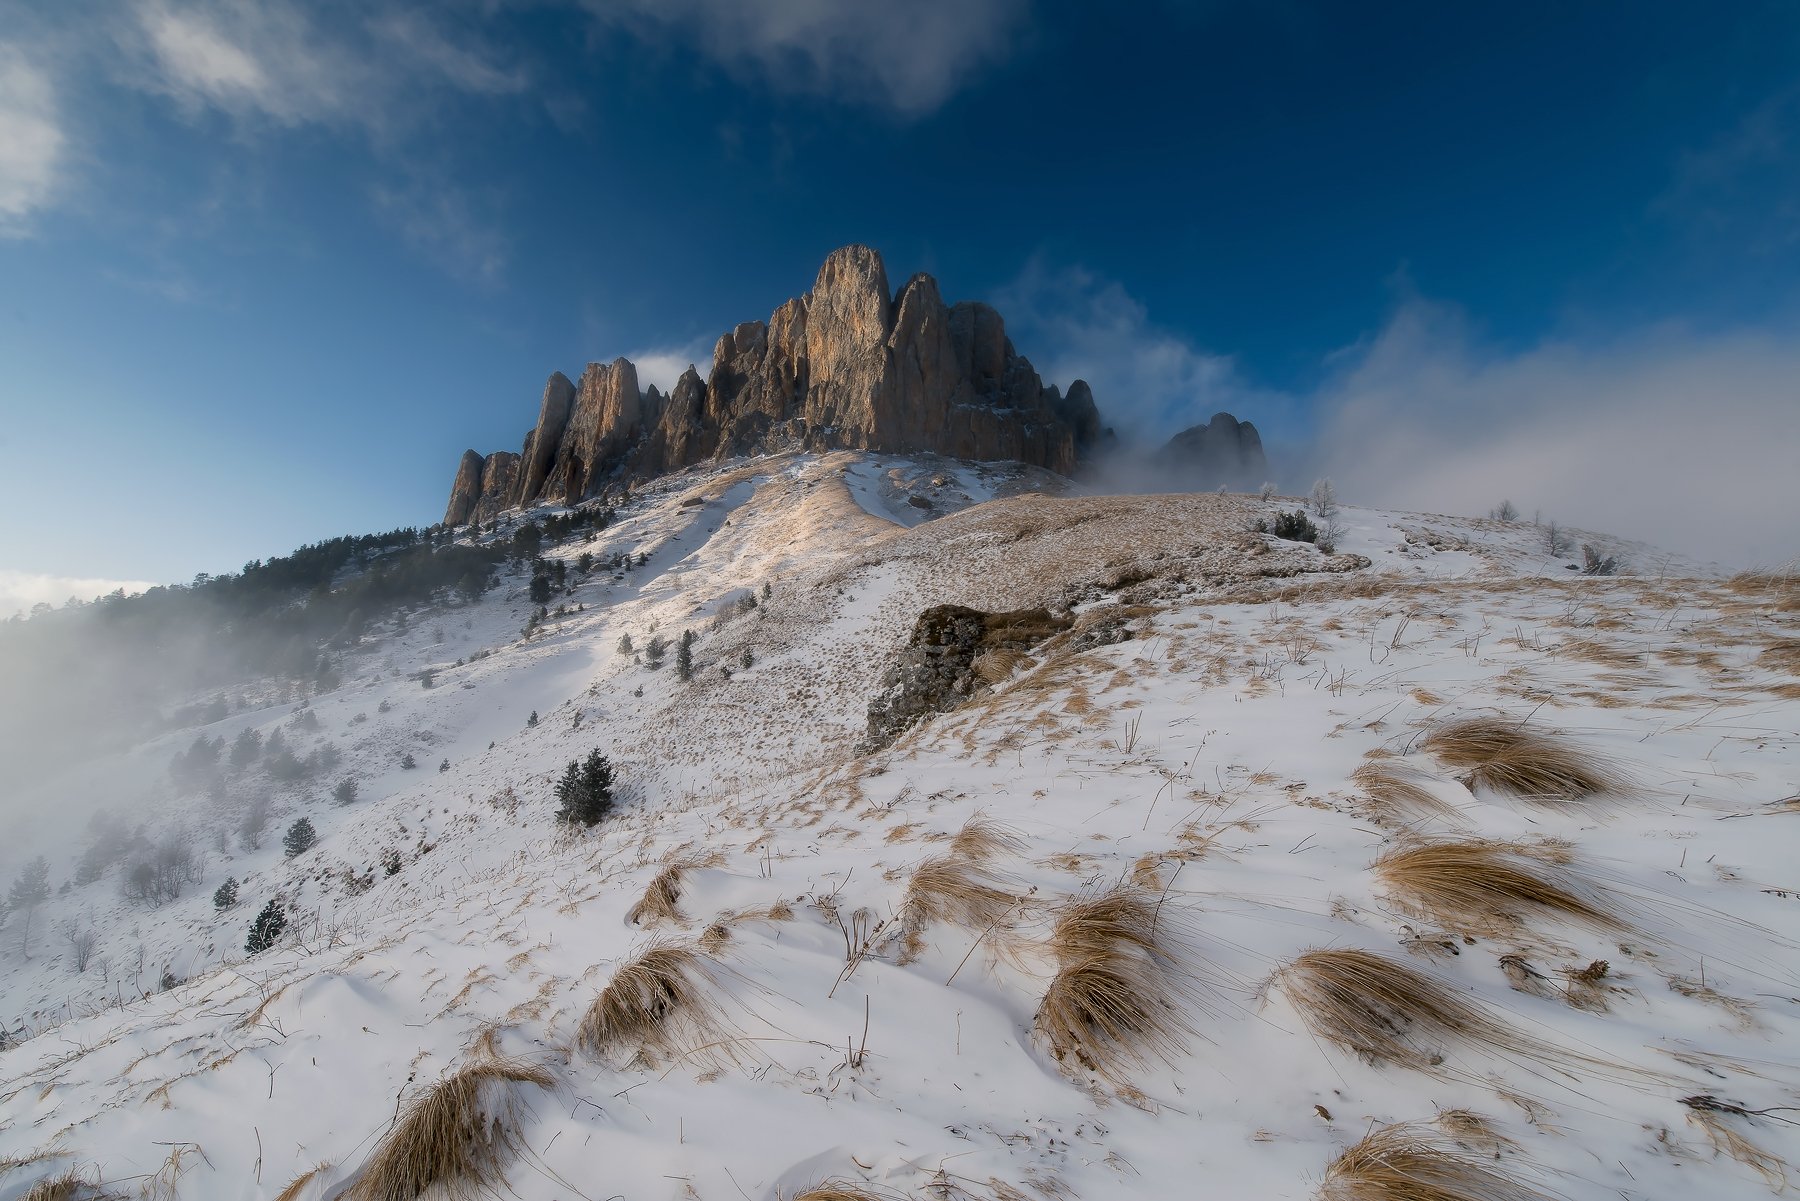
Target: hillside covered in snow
<point>1179,859</point>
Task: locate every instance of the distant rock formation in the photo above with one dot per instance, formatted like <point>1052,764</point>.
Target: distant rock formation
<point>849,365</point>
<point>1223,451</point>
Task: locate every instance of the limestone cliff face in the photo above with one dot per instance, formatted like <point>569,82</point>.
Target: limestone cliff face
<point>848,365</point>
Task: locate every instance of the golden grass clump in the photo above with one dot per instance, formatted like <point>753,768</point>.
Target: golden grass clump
<point>68,1186</point>
<point>1407,1162</point>
<point>456,1138</point>
<point>981,840</point>
<point>1483,886</point>
<point>843,1190</point>
<point>661,901</point>
<point>953,889</point>
<point>1387,1012</point>
<point>1119,992</point>
<point>656,1003</point>
<point>1507,756</point>
<point>1398,791</point>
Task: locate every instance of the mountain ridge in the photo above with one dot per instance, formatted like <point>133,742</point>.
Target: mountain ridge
<point>850,365</point>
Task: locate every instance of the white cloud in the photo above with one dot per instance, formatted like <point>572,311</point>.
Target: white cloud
<point>1680,439</point>
<point>249,60</point>
<point>907,57</point>
<point>33,148</point>
<point>20,590</point>
<point>1149,382</point>
<point>663,366</point>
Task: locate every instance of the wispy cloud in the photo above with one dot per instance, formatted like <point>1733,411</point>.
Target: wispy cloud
<point>662,366</point>
<point>33,147</point>
<point>448,227</point>
<point>1149,381</point>
<point>21,590</point>
<point>908,58</point>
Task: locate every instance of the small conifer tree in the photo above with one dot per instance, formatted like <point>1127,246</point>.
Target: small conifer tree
<point>299,838</point>
<point>227,894</point>
<point>266,928</point>
<point>585,791</point>
<point>533,719</point>
<point>684,656</point>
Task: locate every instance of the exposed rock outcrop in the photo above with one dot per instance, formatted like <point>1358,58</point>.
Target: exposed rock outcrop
<point>954,653</point>
<point>1223,451</point>
<point>848,365</point>
<point>465,490</point>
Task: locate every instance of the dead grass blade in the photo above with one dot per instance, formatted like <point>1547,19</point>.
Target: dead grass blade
<point>1119,993</point>
<point>1487,887</point>
<point>1709,1113</point>
<point>1386,1012</point>
<point>1505,755</point>
<point>1782,654</point>
<point>457,1138</point>
<point>1407,1162</point>
<point>300,1185</point>
<point>1398,792</point>
<point>655,1004</point>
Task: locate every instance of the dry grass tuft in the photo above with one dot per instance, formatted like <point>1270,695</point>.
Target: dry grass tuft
<point>656,1003</point>
<point>952,889</point>
<point>1397,791</point>
<point>1118,995</point>
<point>1506,756</point>
<point>1386,1012</point>
<point>69,1186</point>
<point>457,1138</point>
<point>1783,653</point>
<point>1481,886</point>
<point>1406,1162</point>
<point>843,1190</point>
<point>982,840</point>
<point>661,901</point>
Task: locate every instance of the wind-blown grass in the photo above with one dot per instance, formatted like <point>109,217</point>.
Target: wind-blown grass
<point>457,1138</point>
<point>1505,755</point>
<point>1484,886</point>
<point>1387,1012</point>
<point>655,1004</point>
<point>1119,994</point>
<point>1398,792</point>
<point>1408,1162</point>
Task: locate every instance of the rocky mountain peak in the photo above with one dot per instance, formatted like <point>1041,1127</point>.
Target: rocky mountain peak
<point>848,365</point>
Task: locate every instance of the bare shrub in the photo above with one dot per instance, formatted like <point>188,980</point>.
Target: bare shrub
<point>1486,886</point>
<point>1504,511</point>
<point>456,1139</point>
<point>1408,1162</point>
<point>1323,498</point>
<point>1508,756</point>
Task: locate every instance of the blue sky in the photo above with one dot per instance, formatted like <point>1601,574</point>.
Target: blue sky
<point>268,267</point>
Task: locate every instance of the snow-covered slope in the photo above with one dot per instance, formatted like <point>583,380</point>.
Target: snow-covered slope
<point>1205,761</point>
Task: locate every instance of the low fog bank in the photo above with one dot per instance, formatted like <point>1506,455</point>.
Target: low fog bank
<point>1683,440</point>
<point>23,591</point>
